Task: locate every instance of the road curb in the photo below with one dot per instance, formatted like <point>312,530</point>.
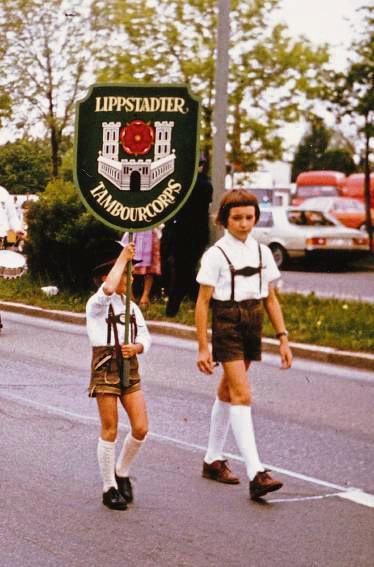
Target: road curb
<point>363,361</point>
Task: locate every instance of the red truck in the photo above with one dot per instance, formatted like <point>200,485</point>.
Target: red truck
<point>318,184</point>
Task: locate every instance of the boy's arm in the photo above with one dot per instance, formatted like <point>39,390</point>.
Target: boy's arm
<point>113,278</point>
<point>205,361</point>
<point>275,314</point>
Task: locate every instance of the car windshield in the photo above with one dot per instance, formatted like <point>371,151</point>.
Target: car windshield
<point>316,191</point>
<point>264,196</point>
<point>308,218</point>
<point>348,205</point>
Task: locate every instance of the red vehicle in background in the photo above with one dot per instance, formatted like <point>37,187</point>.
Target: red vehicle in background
<point>318,184</point>
<point>354,187</point>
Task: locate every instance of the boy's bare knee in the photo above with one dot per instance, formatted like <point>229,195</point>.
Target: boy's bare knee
<point>241,399</point>
<point>109,433</point>
<point>139,432</point>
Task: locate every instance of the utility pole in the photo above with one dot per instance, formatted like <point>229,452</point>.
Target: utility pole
<point>220,104</point>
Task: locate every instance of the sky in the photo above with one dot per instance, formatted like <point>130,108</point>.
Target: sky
<point>324,21</point>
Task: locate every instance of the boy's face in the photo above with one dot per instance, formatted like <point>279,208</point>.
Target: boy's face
<point>240,221</point>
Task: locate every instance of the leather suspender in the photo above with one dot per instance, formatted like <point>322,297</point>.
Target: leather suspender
<point>111,322</point>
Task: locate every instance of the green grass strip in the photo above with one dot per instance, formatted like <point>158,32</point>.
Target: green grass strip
<point>346,325</point>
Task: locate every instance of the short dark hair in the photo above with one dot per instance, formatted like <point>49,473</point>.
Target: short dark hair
<point>236,198</point>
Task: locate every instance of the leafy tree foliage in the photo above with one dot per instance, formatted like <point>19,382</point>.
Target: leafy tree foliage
<point>65,241</point>
<point>5,105</point>
<point>352,92</point>
<point>320,149</point>
<point>352,95</point>
<point>175,41</point>
<point>22,166</point>
<point>46,49</point>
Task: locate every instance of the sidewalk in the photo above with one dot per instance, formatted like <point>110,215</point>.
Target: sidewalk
<point>363,361</point>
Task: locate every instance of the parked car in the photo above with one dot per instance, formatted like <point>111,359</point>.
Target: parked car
<point>350,212</point>
<point>296,233</point>
<point>354,187</point>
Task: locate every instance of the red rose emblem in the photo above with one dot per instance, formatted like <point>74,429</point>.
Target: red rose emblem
<point>137,138</point>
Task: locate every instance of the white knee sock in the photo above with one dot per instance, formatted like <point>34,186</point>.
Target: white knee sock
<point>242,426</point>
<point>219,426</point>
<point>130,449</point>
<point>106,451</point>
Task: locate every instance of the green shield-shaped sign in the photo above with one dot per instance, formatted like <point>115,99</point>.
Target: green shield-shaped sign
<point>136,152</point>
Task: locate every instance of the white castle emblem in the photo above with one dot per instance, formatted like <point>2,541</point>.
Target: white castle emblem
<point>131,174</point>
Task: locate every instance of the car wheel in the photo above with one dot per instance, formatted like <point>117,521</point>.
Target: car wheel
<point>280,255</point>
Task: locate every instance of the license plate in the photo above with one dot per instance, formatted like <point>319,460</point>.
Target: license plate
<point>340,242</point>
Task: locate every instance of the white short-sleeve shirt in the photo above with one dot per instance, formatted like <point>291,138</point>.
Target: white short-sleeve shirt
<point>97,313</point>
<point>215,272</point>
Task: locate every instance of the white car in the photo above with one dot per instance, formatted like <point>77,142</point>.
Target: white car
<point>296,233</point>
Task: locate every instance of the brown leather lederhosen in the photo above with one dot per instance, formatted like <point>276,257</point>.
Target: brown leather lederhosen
<point>237,325</point>
<point>106,364</point>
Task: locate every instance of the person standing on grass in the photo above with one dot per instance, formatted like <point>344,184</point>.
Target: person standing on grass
<point>236,276</point>
<point>105,313</point>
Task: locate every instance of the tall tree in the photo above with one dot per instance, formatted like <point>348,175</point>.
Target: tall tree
<point>352,95</point>
<point>46,48</point>
<point>175,41</point>
<point>322,149</point>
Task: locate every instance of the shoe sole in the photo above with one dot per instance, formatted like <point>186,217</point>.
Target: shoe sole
<point>236,481</point>
<point>260,493</point>
<point>120,507</point>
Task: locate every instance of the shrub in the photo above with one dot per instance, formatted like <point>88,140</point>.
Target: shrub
<point>64,240</point>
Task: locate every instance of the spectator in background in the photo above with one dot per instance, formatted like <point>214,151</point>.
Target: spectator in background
<point>9,219</point>
<point>184,240</point>
<point>147,245</point>
<point>17,206</point>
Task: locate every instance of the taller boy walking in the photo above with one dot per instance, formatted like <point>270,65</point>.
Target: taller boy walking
<point>236,276</point>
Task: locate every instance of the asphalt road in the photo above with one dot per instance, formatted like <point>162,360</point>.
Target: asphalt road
<point>314,427</point>
<point>331,281</point>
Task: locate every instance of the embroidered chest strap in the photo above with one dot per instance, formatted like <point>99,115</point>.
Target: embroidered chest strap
<point>247,271</point>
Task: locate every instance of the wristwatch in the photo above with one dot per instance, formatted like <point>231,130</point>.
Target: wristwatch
<point>282,334</point>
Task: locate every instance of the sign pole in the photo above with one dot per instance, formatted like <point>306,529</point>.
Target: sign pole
<point>125,378</point>
<point>220,110</point>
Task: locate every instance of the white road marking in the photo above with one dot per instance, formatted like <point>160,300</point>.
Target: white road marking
<point>355,495</point>
<point>303,498</point>
<point>359,497</point>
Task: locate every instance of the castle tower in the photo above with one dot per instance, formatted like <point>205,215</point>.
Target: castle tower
<point>111,139</point>
<point>163,139</point>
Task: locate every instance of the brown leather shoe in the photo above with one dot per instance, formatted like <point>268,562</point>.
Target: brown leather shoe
<point>262,484</point>
<point>219,471</point>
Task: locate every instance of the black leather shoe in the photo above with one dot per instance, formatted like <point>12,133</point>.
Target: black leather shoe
<point>125,488</point>
<point>262,484</point>
<point>114,500</point>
